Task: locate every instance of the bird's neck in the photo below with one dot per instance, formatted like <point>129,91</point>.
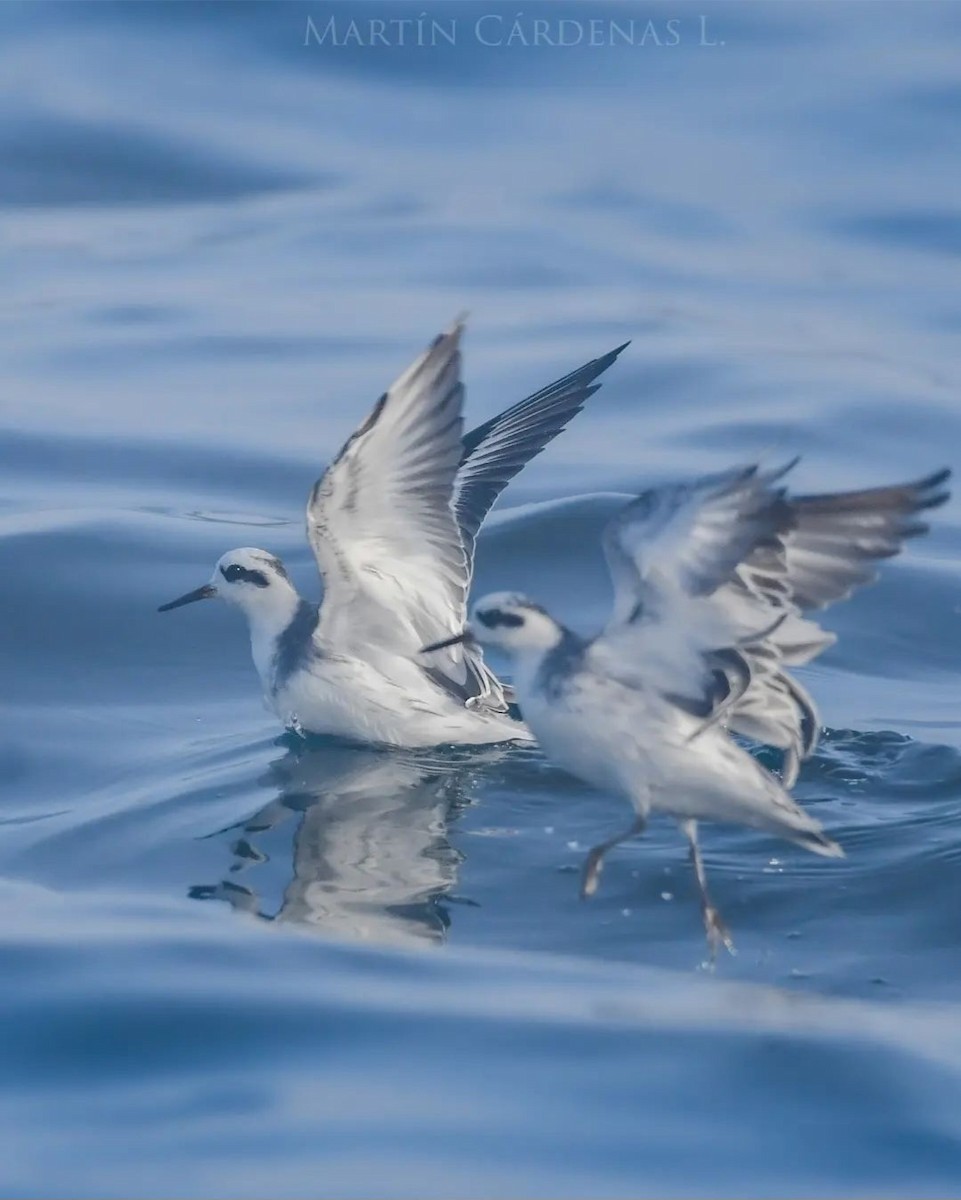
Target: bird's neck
<point>529,660</point>
<point>269,619</point>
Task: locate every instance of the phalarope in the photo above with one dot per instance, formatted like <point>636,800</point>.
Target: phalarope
<point>712,580</point>
<point>392,524</point>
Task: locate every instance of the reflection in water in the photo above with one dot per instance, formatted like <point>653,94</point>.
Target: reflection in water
<point>369,857</point>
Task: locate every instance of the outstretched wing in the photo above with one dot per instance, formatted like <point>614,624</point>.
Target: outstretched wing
<point>836,539</point>
<point>496,451</point>
<point>712,581</point>
<point>688,538</point>
<point>669,552</point>
<point>380,520</point>
<point>832,547</point>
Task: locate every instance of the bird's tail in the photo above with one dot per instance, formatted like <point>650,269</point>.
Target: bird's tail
<point>818,842</point>
<point>779,814</point>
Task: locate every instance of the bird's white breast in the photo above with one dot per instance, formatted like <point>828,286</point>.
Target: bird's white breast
<point>595,728</point>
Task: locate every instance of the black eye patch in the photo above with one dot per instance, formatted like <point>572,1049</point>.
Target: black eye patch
<point>235,573</point>
<point>495,616</point>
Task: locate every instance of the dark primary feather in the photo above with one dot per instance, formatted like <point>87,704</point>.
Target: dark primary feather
<point>833,540</point>
<point>831,547</point>
<point>496,451</point>
<point>837,538</point>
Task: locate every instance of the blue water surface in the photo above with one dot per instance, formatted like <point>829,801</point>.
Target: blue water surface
<point>236,965</point>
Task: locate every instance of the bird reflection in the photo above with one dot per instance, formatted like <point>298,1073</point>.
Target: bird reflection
<point>370,857</point>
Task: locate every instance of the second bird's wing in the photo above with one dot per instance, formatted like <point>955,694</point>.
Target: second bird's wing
<point>831,547</point>
<point>669,552</point>
<point>688,538</point>
<point>715,577</point>
<point>836,539</point>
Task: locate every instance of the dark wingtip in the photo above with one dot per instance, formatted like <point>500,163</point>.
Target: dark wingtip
<point>932,492</point>
<point>611,357</point>
<point>597,365</point>
<point>453,330</point>
<point>584,375</point>
<point>780,472</point>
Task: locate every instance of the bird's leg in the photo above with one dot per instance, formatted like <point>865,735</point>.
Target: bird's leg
<point>595,859</point>
<point>714,927</point>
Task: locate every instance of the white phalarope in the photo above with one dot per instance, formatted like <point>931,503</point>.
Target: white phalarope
<point>392,524</point>
<point>712,580</point>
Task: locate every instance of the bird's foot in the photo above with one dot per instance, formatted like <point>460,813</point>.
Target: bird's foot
<point>717,932</point>
<point>593,865</point>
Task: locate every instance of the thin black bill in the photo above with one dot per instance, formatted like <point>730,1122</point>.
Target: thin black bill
<point>465,636</point>
<point>201,593</point>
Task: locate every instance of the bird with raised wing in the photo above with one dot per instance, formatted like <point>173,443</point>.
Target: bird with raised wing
<point>712,581</point>
<point>392,523</point>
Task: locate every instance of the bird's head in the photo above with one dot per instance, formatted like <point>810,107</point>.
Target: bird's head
<point>253,580</point>
<point>508,621</point>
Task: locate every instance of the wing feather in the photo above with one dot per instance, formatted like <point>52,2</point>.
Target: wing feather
<point>380,520</point>
<point>393,520</point>
<point>496,451</point>
<point>831,549</point>
<point>689,538</point>
<point>699,568</point>
<point>836,537</point>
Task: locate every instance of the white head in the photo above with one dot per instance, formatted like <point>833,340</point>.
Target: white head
<point>253,580</point>
<point>510,622</point>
